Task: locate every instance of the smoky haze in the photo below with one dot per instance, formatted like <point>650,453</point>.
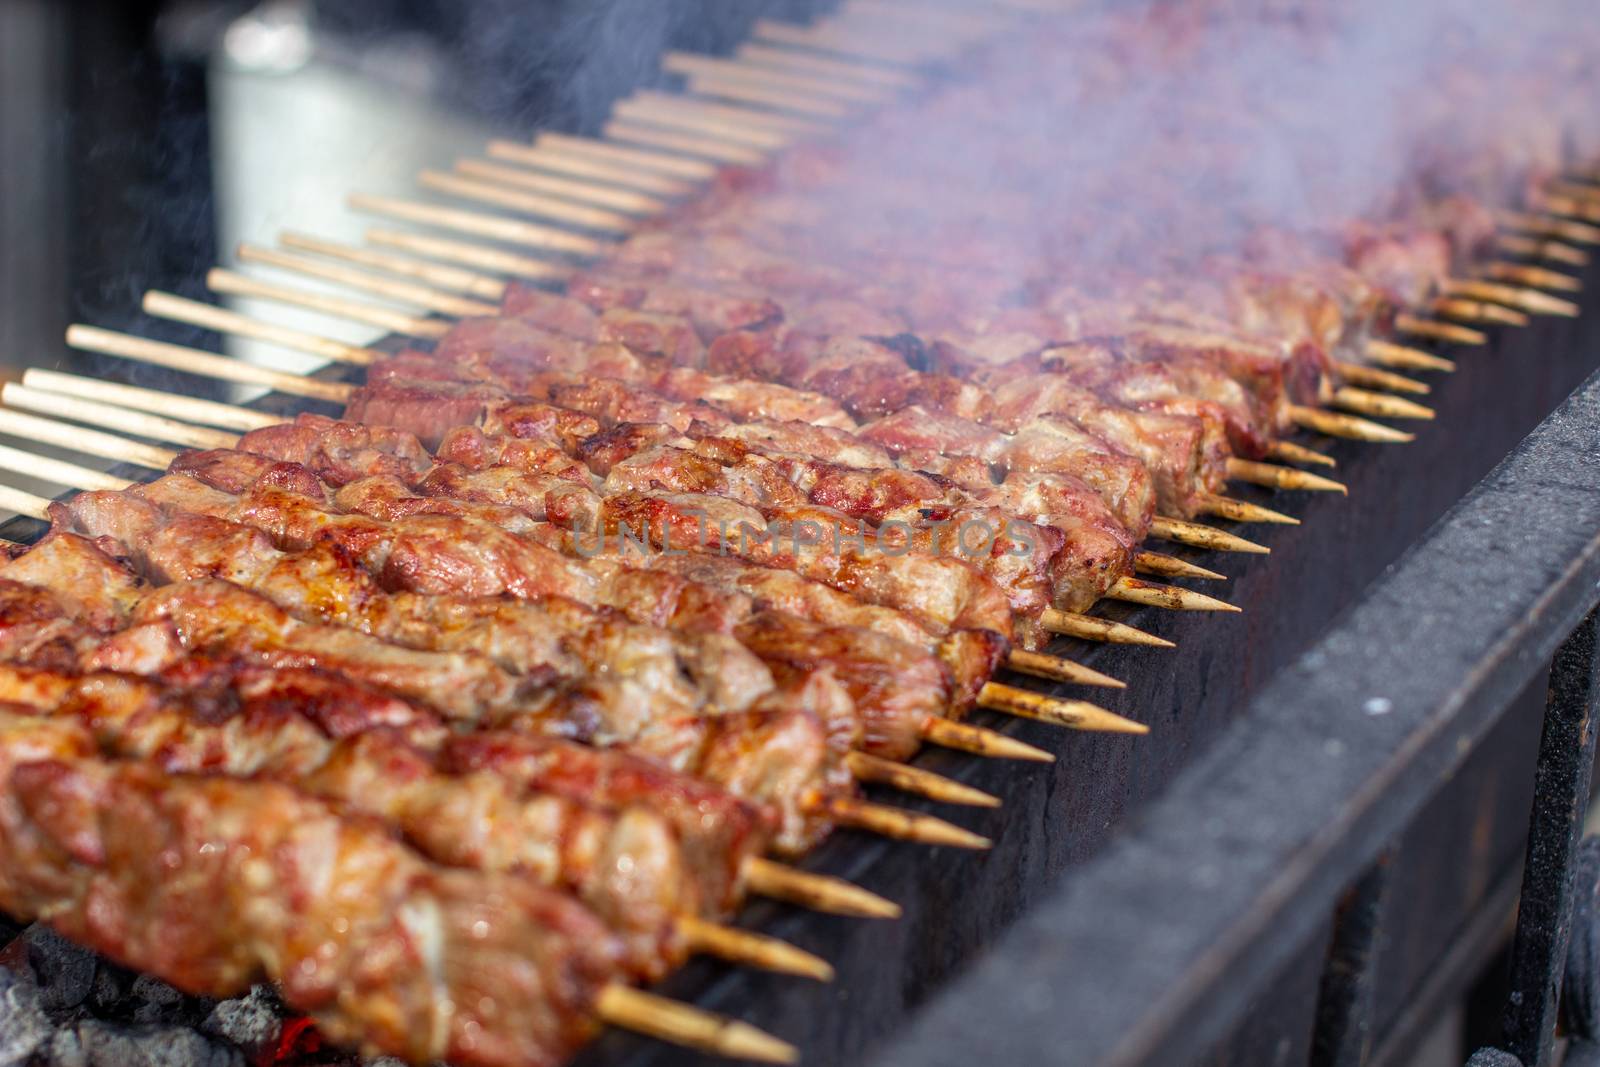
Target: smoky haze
<point>1159,133</point>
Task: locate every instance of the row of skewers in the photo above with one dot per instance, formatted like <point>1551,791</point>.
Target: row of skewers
<point>463,710</point>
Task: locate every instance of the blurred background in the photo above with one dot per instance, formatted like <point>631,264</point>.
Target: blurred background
<point>140,140</point>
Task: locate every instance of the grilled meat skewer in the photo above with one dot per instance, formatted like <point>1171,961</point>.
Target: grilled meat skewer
<point>213,883</point>
<point>319,584</point>
<point>344,451</point>
<point>305,440</point>
<point>203,613</point>
<point>369,753</point>
<point>70,607</point>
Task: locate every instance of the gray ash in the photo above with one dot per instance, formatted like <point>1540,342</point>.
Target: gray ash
<point>64,1006</point>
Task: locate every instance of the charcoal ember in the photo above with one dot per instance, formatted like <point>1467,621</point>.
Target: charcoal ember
<point>24,1027</point>
<point>254,1022</point>
<point>112,988</point>
<point>65,971</point>
<point>95,1043</point>
<point>158,1002</point>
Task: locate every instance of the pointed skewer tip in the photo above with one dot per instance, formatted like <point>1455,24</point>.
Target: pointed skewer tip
<point>1171,597</point>
<point>1042,665</point>
<point>691,1027</point>
<point>752,949</point>
<point>916,781</point>
<point>818,892</point>
<point>981,741</point>
<point>899,824</point>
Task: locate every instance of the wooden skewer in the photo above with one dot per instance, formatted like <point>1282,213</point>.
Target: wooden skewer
<point>896,823</point>
<point>1438,331</point>
<point>82,439</point>
<point>412,293</point>
<point>1529,300</point>
<point>689,117</point>
<point>749,92</point>
<point>693,170</point>
<point>27,398</point>
<point>849,90</point>
<point>1073,714</point>
<point>1379,405</point>
<point>690,1027</point>
<point>480,257</point>
<point>1566,207</point>
<point>34,507</point>
<point>1538,277</point>
<point>750,949</point>
<point>1577,233</point>
<point>1146,562</point>
<point>1242,511</point>
<point>627,200</point>
<point>1275,477</point>
<point>1477,311</point>
<point>1290,452</point>
<point>818,892</point>
<point>1389,354</point>
<point>762,55</point>
<point>980,741</point>
<point>757,118</point>
<point>554,208</point>
<point>558,161</point>
<point>1198,535</point>
<point>437,275</point>
<point>195,412</point>
<point>1550,251</point>
<point>1336,424</point>
<point>104,445</point>
<point>1171,597</point>
<point>865,767</point>
<point>1373,378</point>
<point>209,316</point>
<point>230,283</point>
<point>691,144</point>
<point>1055,668</point>
<point>59,471</point>
<point>205,364</point>
<point>494,227</point>
<point>1576,189</point>
<point>1089,628</point>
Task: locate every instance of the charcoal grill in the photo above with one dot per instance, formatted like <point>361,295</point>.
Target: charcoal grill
<point>1246,878</point>
<point>1321,840</point>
